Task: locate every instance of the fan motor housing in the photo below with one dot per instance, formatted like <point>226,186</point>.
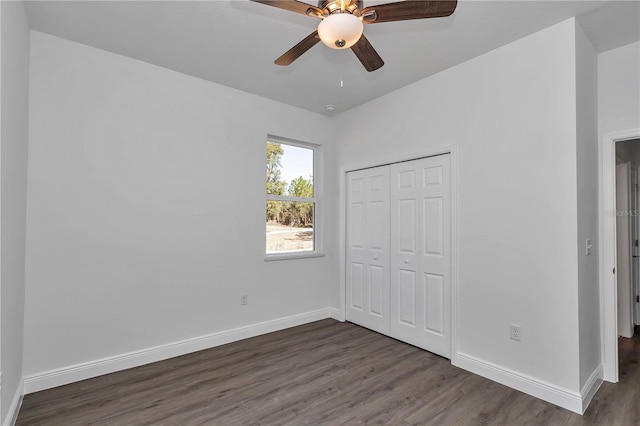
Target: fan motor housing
<point>335,6</point>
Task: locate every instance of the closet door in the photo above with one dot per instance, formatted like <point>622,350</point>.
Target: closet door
<point>367,243</point>
<point>420,261</point>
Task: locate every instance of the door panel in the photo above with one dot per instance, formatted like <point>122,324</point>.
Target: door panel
<point>623,251</point>
<point>406,226</point>
<point>356,212</point>
<point>357,285</point>
<point>434,226</point>
<point>367,243</point>
<point>421,247</point>
<point>407,290</point>
<point>434,303</point>
<point>376,296</point>
<point>406,179</point>
<point>377,224</point>
<point>433,175</point>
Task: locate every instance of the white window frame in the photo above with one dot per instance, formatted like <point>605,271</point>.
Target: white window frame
<point>316,200</point>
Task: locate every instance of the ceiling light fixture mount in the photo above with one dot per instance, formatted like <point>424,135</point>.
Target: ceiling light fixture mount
<point>332,6</point>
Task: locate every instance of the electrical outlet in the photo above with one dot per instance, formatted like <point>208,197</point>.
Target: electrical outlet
<point>244,299</point>
<point>515,332</point>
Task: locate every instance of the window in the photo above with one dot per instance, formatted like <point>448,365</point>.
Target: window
<point>291,227</point>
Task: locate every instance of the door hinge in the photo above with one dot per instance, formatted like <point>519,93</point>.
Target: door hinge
<point>638,299</point>
<point>614,270</point>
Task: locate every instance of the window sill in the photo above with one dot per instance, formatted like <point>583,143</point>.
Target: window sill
<point>291,256</point>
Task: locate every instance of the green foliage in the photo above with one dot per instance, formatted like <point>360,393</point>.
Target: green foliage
<point>301,214</point>
<point>282,212</point>
<point>275,185</point>
<point>301,187</point>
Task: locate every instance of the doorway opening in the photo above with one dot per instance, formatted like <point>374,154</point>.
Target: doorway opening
<point>627,254</point>
<point>620,248</point>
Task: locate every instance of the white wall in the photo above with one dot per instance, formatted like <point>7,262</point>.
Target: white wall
<point>512,115</point>
<point>146,208</point>
<point>587,169</point>
<point>14,88</point>
<point>619,89</point>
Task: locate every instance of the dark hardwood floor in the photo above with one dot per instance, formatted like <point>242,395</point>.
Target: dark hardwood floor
<point>323,373</point>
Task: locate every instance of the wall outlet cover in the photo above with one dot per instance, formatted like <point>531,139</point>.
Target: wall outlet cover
<point>515,332</point>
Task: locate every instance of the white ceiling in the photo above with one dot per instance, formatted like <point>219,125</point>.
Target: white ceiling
<point>234,43</point>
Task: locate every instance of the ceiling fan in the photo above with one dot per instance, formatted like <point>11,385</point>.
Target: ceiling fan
<point>342,22</point>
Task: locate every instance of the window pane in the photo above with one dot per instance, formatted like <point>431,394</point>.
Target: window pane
<point>289,227</point>
<point>289,170</point>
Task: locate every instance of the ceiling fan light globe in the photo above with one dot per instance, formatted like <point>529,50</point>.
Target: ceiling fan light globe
<point>340,30</point>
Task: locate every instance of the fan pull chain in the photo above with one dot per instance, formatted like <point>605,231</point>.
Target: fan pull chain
<point>341,77</point>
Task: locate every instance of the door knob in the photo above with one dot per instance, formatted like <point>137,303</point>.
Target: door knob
<point>375,257</point>
<point>406,261</point>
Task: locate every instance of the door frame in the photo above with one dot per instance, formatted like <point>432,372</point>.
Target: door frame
<point>635,222</point>
<point>452,150</point>
<point>607,254</point>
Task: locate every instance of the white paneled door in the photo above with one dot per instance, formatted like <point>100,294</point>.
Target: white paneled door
<point>368,248</point>
<point>420,263</point>
<point>400,228</point>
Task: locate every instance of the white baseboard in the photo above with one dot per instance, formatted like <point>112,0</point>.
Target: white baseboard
<point>73,373</point>
<point>14,408</point>
<point>591,387</point>
<point>335,314</point>
<point>549,392</point>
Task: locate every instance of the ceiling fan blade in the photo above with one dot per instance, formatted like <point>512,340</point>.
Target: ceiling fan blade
<point>296,51</point>
<point>406,10</point>
<point>367,54</point>
<point>293,6</point>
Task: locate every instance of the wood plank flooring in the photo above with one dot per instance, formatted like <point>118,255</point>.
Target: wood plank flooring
<point>323,373</point>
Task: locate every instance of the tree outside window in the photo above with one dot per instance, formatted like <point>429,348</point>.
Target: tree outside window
<point>291,202</point>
